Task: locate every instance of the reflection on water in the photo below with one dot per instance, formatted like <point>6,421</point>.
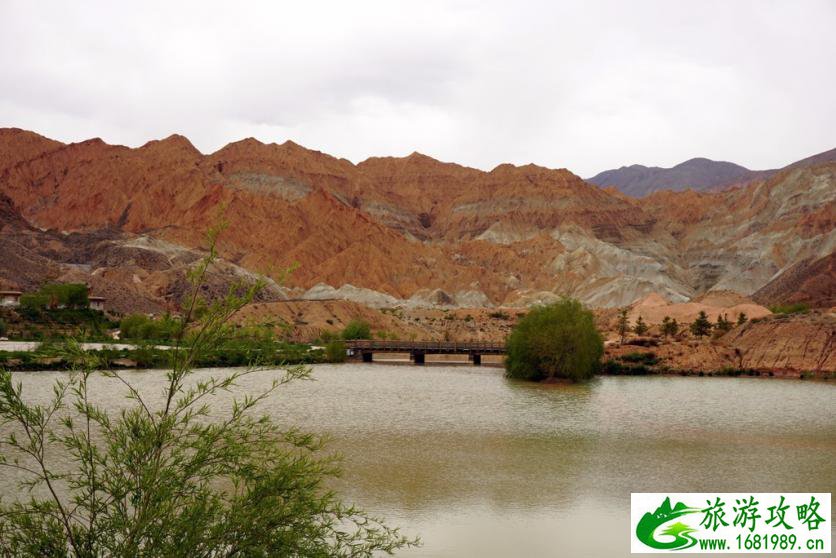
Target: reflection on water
<point>479,465</point>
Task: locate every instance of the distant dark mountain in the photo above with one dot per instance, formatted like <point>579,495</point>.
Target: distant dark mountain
<point>821,158</point>
<point>698,174</point>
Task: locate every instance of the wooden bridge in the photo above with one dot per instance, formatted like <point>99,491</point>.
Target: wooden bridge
<point>365,349</point>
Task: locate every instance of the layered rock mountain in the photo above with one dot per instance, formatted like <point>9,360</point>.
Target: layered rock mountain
<point>420,231</point>
<point>135,273</point>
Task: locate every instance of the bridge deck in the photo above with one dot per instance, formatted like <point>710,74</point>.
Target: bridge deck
<point>426,347</point>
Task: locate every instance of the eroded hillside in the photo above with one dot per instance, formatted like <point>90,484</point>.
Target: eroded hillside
<point>418,231</point>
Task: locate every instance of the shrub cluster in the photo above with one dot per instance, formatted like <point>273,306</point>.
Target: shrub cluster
<point>555,341</point>
<point>335,351</point>
<point>794,308</point>
<point>616,368</point>
<point>141,327</point>
<point>643,358</point>
<point>357,329</point>
<point>55,295</point>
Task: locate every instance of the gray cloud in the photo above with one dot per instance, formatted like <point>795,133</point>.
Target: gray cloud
<point>586,86</point>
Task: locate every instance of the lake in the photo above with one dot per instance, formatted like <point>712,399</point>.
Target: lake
<point>479,465</point>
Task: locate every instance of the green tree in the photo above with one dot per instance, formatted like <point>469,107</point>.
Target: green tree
<point>176,479</point>
<point>34,302</point>
<point>742,319</point>
<point>623,324</point>
<point>69,295</point>
<point>723,324</point>
<point>670,327</point>
<point>555,341</point>
<point>641,327</point>
<point>357,329</point>
<point>700,327</point>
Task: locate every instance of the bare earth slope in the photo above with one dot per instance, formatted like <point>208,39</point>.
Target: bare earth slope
<point>810,281</point>
<point>135,273</point>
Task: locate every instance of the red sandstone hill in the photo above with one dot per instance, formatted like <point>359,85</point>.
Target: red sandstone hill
<point>810,281</point>
<point>408,226</point>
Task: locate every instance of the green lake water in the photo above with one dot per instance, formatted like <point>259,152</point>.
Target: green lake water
<point>482,466</point>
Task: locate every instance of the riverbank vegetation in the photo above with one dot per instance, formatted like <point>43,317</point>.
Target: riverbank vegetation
<point>139,327</point>
<point>159,479</point>
<point>37,323</point>
<point>558,341</point>
<point>52,356</point>
<point>357,329</point>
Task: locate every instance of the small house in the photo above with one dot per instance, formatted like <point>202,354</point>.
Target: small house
<point>97,303</point>
<point>10,298</point>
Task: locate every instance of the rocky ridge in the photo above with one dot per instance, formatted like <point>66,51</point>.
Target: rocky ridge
<point>415,229</point>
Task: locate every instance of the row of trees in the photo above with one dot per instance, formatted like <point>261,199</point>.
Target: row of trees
<point>669,327</point>
<point>57,295</point>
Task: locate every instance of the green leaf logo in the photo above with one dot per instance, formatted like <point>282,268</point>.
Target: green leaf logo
<point>681,533</point>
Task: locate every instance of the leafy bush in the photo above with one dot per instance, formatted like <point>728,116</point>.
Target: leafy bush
<point>357,329</point>
<point>33,302</point>
<point>499,315</point>
<point>555,341</point>
<point>139,326</point>
<point>795,308</point>
<point>615,368</point>
<point>335,351</point>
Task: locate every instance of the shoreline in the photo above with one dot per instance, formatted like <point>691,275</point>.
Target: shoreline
<point>314,357</point>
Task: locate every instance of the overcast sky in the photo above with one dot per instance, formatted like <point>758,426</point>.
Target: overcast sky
<point>583,85</point>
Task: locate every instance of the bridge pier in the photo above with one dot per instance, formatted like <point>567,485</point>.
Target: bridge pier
<point>476,358</point>
<point>418,358</point>
<point>367,356</point>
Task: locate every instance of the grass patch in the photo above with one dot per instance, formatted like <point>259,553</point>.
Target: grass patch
<point>795,308</point>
